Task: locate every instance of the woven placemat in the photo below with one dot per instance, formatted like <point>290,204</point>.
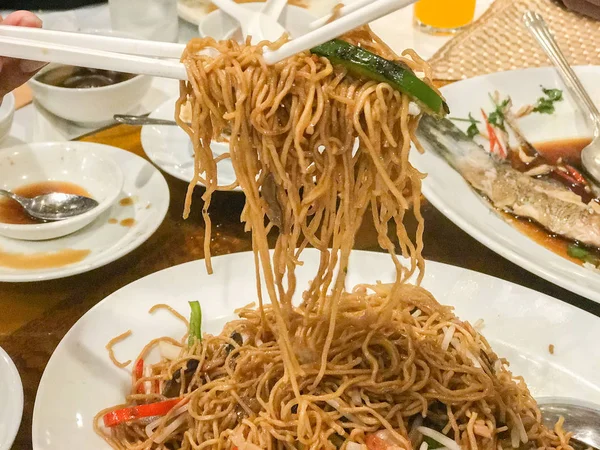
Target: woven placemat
<point>499,41</point>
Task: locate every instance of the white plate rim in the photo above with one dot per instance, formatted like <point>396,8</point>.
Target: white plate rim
<point>467,223</point>
<point>508,287</point>
<point>15,400</point>
<point>106,257</point>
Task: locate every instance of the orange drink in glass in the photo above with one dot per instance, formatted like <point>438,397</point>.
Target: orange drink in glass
<point>443,16</point>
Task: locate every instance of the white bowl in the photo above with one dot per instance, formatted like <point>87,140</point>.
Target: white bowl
<point>59,161</point>
<point>91,106</point>
<point>7,111</point>
<point>218,25</point>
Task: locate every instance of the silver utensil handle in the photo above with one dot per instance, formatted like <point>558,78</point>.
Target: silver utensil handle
<point>10,195</point>
<point>140,120</point>
<point>538,28</point>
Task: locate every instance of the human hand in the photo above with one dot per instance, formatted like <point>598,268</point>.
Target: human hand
<point>15,72</point>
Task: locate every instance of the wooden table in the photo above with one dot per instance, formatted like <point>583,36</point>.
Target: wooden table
<point>34,317</point>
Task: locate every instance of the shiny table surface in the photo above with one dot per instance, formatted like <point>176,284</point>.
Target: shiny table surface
<point>35,316</point>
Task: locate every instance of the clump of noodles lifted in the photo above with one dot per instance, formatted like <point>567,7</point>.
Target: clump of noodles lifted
<point>294,128</point>
<point>313,149</point>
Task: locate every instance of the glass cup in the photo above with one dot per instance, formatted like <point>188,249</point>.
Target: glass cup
<point>443,16</point>
<point>147,19</point>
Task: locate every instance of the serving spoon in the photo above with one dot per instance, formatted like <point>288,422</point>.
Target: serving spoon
<point>130,119</point>
<point>590,155</point>
<point>54,206</point>
<point>581,418</point>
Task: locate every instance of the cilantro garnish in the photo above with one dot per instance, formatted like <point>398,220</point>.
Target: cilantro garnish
<point>496,117</point>
<point>545,104</point>
<point>473,130</point>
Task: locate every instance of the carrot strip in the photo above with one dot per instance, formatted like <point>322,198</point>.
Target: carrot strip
<point>576,174</point>
<point>490,131</point>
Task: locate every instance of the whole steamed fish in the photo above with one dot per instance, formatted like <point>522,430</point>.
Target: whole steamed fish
<point>548,202</point>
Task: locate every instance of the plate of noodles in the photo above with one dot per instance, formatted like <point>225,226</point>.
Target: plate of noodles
<point>526,232</point>
<point>320,348</point>
<point>519,324</point>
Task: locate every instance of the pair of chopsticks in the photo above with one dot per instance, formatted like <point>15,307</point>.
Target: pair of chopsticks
<point>141,57</point>
<point>93,51</point>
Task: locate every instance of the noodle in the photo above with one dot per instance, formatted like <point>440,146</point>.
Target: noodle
<point>171,310</point>
<point>111,353</point>
<point>314,149</point>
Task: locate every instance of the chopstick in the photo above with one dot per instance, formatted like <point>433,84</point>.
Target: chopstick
<point>344,11</point>
<point>96,42</point>
<point>372,10</point>
<point>87,57</point>
<point>123,54</point>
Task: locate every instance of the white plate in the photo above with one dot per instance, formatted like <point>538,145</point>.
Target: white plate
<point>80,380</point>
<point>170,148</point>
<point>450,193</point>
<point>194,11</point>
<point>105,241</point>
<point>11,403</point>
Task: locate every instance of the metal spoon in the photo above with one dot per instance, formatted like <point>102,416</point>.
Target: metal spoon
<point>590,156</point>
<point>53,207</point>
<point>581,418</point>
<point>129,119</point>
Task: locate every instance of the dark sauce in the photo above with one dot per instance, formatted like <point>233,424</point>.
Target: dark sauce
<point>11,212</point>
<point>537,233</point>
<point>565,151</point>
<point>72,77</point>
<point>551,152</point>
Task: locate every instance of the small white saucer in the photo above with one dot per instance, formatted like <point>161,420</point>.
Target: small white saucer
<point>11,403</point>
<point>117,232</point>
<point>169,147</point>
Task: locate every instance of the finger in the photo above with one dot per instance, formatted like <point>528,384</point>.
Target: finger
<point>29,67</point>
<point>23,19</point>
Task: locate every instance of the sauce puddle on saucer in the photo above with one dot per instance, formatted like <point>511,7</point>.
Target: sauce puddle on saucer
<point>46,260</point>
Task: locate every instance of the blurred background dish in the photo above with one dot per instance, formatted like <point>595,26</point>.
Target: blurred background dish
<point>169,147</point>
<point>194,11</point>
<point>88,105</point>
<point>37,169</point>
<point>219,25</point>
<point>11,406</point>
<point>7,111</point>
<point>141,206</point>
